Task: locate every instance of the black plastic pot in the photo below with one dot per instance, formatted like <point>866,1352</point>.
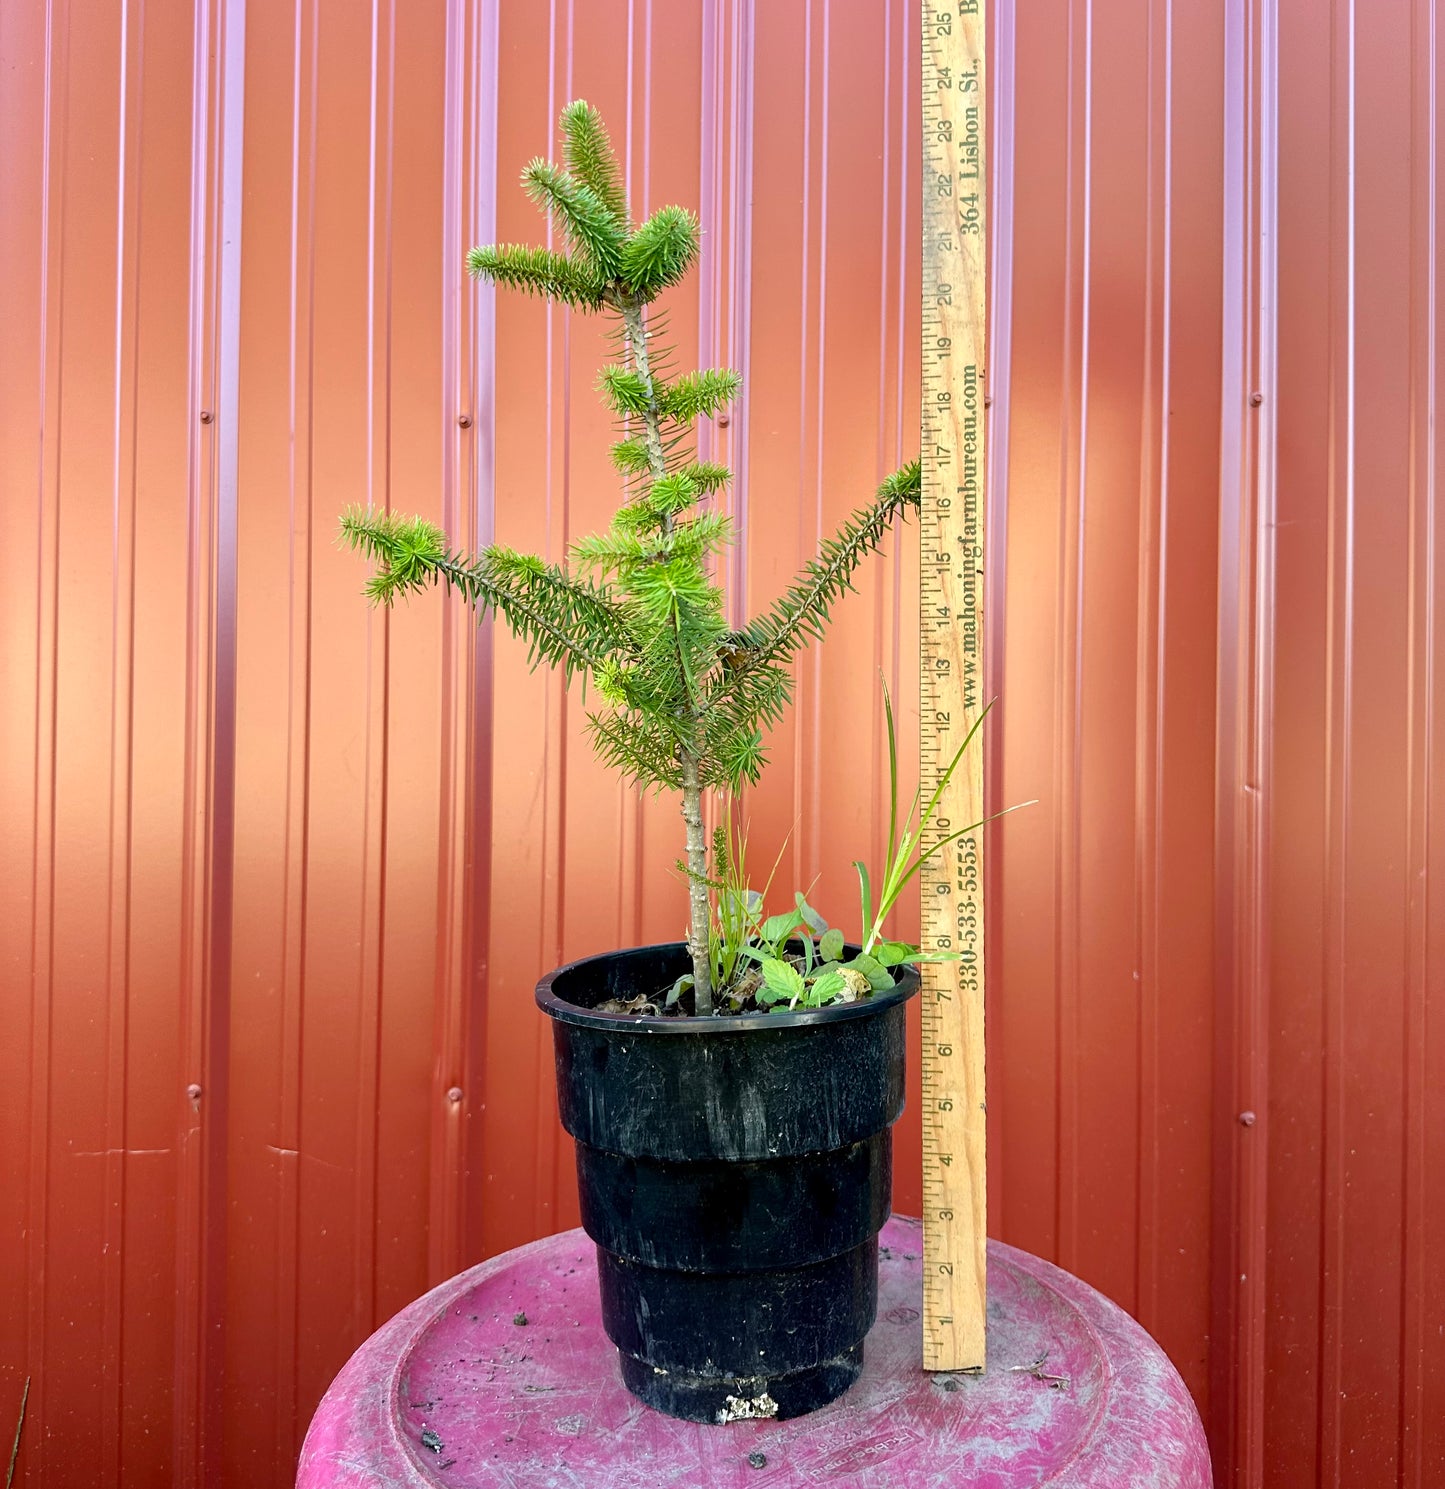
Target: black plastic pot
<point>735,1173</point>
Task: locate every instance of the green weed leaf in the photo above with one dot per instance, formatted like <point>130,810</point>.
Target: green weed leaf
<point>866,894</point>
<point>781,981</point>
<point>777,928</point>
<point>878,977</point>
<point>824,988</point>
<point>830,945</point>
<point>809,915</point>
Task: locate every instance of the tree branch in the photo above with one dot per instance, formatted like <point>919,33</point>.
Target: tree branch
<point>545,638</point>
<point>802,613</point>
<point>563,619</point>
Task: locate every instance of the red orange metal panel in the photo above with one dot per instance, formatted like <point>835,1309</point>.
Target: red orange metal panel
<point>1351,567</point>
<point>1107,427</point>
<point>280,873</point>
<point>1328,758</point>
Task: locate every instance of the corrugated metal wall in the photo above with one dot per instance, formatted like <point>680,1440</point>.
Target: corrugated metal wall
<point>279,873</point>
<point>1331,764</point>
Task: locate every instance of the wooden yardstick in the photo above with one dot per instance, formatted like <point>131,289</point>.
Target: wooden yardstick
<point>951,679</point>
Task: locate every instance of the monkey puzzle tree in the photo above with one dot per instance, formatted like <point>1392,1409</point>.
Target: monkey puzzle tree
<point>683,699</point>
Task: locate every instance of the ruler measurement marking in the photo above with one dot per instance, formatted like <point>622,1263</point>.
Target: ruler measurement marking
<point>951,677</point>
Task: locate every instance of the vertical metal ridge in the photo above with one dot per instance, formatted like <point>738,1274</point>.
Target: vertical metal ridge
<point>1338,741</point>
<point>1256,785</point>
<point>711,163</point>
<point>371,989</point>
<point>230,146</point>
<point>709,196</point>
<point>639,815</point>
<point>876,806</point>
<point>385,822</point>
<point>909,180</point>
<point>1421,560</point>
<point>884,598</point>
<point>125,772</point>
<point>476,989</point>
<point>814,779</point>
<point>1234,506</point>
<point>890,616</point>
<point>1259,786</point>
<point>120,753</point>
<point>1150,651</point>
<point>630,89</point>
<point>647,109</point>
<point>638,190</point>
<point>296,809</point>
<point>303,265</point>
<point>548,930</point>
<point>448,1211</point>
<point>629,803</point>
<point>1067,765</point>
<point>885,221</point>
<point>468,705</point>
<point>552,888</point>
<point>740,260</point>
<point>556,1172</point>
<point>894,456</point>
<point>999,403</point>
<point>1069,1239</point>
<point>313,355</point>
<point>806,673</point>
<point>1244,734</point>
<point>739,297</point>
<point>191,1196</point>
<point>55,142</point>
<point>738,328</point>
<point>1150,1289</point>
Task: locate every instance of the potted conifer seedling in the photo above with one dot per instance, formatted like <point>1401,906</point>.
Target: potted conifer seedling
<point>731,1095</point>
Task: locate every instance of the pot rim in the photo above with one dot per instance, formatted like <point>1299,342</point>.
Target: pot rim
<point>907,985</point>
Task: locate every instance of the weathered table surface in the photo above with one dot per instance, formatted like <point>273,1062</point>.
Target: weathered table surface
<point>456,1390</point>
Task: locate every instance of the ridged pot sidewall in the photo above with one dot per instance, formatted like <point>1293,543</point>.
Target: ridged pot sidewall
<point>735,1173</point>
<point>749,1088</point>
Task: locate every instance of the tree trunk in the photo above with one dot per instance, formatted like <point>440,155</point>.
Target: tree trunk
<point>698,927</point>
<point>697,895</point>
<point>636,330</point>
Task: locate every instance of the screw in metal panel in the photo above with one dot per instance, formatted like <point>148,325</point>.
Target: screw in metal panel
<point>1246,1119</point>
<point>723,420</point>
<point>454,1095</point>
<point>465,420</point>
<point>1255,399</point>
<point>193,1091</point>
<point>206,416</point>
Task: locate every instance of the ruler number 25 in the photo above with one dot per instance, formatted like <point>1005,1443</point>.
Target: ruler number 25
<point>943,19</point>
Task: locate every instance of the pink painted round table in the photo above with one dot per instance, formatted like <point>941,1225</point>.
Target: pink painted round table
<point>503,1377</point>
